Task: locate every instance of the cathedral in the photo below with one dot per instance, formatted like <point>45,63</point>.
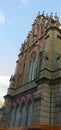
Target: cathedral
<point>34,93</point>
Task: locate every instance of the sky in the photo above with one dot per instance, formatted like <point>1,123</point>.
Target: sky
<point>16,18</point>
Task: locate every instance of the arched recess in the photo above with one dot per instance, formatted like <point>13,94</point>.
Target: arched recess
<point>23,74</point>
<point>32,67</point>
<point>13,115</point>
<point>23,114</point>
<point>18,115</point>
<point>29,114</point>
<point>40,60</point>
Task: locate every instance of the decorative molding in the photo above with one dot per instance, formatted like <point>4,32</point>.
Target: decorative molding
<point>59,36</point>
<point>46,36</point>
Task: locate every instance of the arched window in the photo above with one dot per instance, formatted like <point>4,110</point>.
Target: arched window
<point>40,60</point>
<point>24,115</point>
<point>23,74</point>
<point>30,70</point>
<point>29,116</point>
<point>13,115</point>
<point>32,66</point>
<point>33,69</point>
<point>18,116</point>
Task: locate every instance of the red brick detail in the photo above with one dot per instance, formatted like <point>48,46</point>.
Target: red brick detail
<point>16,101</point>
<point>28,97</point>
<point>18,82</point>
<point>22,99</point>
<point>41,41</point>
<point>35,49</point>
<point>42,30</point>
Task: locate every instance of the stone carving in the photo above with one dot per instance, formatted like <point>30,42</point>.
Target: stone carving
<point>56,17</point>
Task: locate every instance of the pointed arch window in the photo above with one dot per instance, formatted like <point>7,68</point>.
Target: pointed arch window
<point>24,114</point>
<point>30,70</point>
<point>40,60</point>
<point>13,115</point>
<point>30,110</point>
<point>23,74</point>
<point>33,69</point>
<point>31,74</point>
<point>18,116</point>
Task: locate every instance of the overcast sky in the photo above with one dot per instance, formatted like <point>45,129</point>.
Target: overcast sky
<point>16,18</point>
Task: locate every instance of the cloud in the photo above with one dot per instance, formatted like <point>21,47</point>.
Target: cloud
<point>12,21</point>
<point>23,2</point>
<point>4,84</point>
<point>2,17</point>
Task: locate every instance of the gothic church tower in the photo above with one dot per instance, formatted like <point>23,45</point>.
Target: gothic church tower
<point>34,93</point>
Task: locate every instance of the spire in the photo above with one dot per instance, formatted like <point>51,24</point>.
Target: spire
<point>51,15</point>
<point>56,17</point>
<point>47,15</point>
<point>39,13</point>
<point>43,13</point>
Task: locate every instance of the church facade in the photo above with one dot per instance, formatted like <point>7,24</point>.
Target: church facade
<point>34,93</point>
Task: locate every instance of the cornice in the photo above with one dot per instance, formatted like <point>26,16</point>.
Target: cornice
<point>53,28</point>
